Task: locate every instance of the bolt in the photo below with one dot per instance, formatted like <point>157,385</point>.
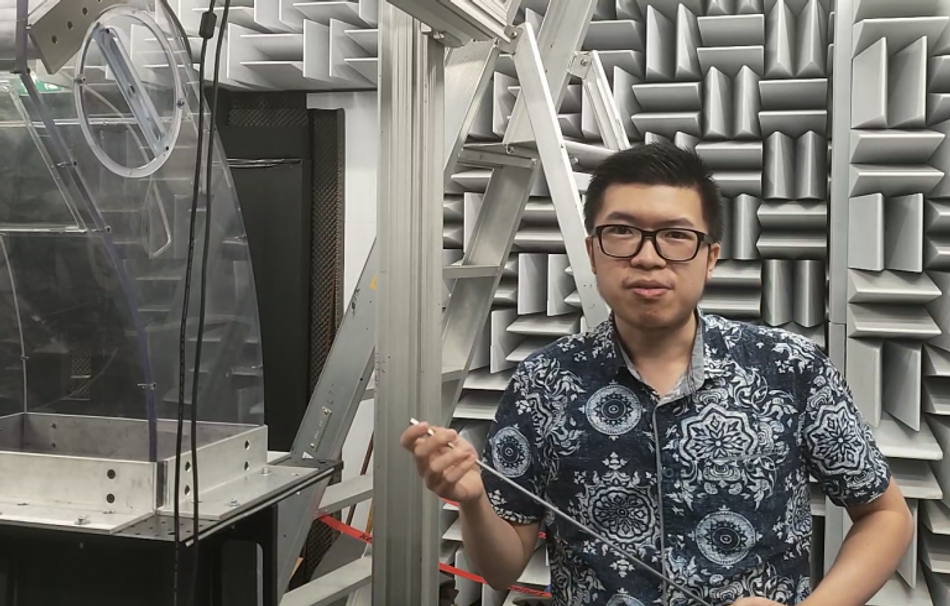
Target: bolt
<point>233,503</point>
<point>265,471</point>
<point>180,103</point>
<point>584,62</point>
<point>438,36</point>
<point>82,521</point>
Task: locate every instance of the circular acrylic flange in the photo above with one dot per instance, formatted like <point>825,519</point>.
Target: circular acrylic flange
<point>127,74</point>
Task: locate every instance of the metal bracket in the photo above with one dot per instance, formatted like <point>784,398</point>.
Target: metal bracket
<point>580,66</point>
<point>58,35</point>
<point>114,51</point>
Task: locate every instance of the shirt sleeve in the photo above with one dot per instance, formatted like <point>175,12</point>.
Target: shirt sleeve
<point>840,450</point>
<point>514,450</point>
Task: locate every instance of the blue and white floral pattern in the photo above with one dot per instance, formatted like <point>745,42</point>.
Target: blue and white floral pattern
<point>614,410</point>
<point>710,483</point>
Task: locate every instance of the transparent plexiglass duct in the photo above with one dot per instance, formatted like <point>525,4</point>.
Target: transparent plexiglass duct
<point>96,176</point>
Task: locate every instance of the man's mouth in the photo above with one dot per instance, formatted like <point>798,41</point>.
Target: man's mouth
<point>649,293</point>
<point>648,289</point>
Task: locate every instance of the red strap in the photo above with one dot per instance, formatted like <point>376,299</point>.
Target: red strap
<point>359,535</point>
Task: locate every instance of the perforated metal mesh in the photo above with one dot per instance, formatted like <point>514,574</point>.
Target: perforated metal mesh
<point>267,109</point>
<point>326,244</point>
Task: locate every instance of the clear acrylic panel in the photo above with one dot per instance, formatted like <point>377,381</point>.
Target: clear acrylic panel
<point>95,226</point>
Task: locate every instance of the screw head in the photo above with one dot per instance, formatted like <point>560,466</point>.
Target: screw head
<point>82,521</point>
<point>265,471</point>
<point>233,503</point>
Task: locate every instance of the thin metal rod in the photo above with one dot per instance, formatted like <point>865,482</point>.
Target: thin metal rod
<point>19,323</point>
<point>584,528</point>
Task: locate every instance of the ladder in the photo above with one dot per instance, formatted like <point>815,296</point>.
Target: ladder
<point>533,141</point>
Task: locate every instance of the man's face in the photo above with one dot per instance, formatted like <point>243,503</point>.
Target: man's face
<point>648,291</point>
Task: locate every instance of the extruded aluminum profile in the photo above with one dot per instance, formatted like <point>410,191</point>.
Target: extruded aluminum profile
<point>460,21</point>
<point>408,318</point>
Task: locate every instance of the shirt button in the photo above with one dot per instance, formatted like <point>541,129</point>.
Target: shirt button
<point>668,473</point>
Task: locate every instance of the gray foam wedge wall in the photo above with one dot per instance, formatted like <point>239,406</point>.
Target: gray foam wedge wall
<point>291,45</point>
<point>894,196</point>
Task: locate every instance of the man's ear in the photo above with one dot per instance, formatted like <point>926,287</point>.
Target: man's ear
<point>590,253</point>
<point>712,257</point>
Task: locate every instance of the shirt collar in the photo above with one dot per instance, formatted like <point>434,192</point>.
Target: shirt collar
<point>707,357</point>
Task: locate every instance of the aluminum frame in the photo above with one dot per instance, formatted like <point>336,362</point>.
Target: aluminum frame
<point>331,410</point>
<point>597,87</point>
<point>105,480</point>
<point>839,190</point>
<point>562,33</point>
<point>537,98</point>
<point>414,248</point>
<point>459,22</point>
<point>408,349</point>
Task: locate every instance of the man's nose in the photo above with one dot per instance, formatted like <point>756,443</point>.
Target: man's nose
<point>648,255</point>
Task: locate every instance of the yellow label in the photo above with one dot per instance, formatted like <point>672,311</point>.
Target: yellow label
<point>372,284</point>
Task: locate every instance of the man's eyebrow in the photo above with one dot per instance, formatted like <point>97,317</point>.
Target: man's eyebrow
<point>619,215</point>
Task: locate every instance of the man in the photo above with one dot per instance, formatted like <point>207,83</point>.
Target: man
<point>687,438</point>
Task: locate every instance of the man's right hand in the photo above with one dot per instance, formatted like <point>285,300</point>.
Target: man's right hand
<point>450,472</point>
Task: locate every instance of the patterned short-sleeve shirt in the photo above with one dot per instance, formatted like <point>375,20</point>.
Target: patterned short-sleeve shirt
<point>714,476</point>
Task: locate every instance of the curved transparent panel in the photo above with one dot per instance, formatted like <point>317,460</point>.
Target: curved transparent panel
<point>95,226</point>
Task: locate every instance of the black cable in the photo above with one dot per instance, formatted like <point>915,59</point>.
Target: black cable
<point>206,31</point>
<point>203,289</point>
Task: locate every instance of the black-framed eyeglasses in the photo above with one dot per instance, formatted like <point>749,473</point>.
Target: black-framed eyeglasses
<point>673,244</point>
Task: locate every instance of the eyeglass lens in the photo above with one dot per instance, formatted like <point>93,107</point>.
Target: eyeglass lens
<point>672,244</point>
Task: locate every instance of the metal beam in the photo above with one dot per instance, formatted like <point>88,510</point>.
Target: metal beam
<point>563,30</point>
<point>602,101</point>
<point>409,323</point>
<point>839,192</point>
<point>329,415</point>
<point>468,73</point>
<point>556,163</point>
<point>345,380</point>
<point>333,587</point>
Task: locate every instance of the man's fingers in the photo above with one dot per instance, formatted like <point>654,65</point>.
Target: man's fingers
<point>446,460</point>
<point>412,434</point>
<point>430,445</point>
<point>456,472</point>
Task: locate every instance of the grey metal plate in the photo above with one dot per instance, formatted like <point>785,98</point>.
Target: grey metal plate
<point>157,526</point>
<point>246,492</point>
<point>78,519</point>
<point>58,35</point>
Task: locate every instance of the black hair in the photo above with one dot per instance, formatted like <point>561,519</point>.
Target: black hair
<point>656,164</point>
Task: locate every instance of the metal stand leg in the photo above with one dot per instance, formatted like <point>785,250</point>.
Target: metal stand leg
<point>409,325</point>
